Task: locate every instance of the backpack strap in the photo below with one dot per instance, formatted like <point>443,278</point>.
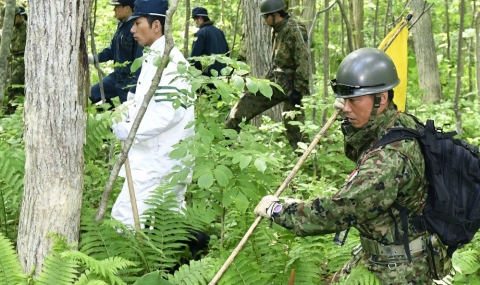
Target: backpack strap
<point>404,218</point>
<point>394,135</point>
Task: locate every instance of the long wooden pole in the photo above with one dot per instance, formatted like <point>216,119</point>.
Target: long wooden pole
<point>131,190</point>
<point>277,194</point>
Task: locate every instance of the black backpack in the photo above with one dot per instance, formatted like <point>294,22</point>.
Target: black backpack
<point>452,209</point>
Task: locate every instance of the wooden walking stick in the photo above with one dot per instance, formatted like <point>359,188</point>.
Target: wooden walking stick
<point>131,190</point>
<point>279,191</point>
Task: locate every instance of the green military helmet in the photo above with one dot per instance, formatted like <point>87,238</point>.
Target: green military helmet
<point>271,6</point>
<point>364,71</point>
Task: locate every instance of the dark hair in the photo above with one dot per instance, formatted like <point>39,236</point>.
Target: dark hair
<point>205,18</point>
<point>390,95</point>
<point>152,19</point>
<point>282,13</point>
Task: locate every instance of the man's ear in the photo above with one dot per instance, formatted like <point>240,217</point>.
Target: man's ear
<point>384,98</point>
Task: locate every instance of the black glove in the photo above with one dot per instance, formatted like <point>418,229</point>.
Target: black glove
<point>295,98</point>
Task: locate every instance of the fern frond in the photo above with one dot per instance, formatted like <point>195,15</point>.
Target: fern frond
<point>198,272</point>
<point>11,190</point>
<point>102,241</point>
<point>168,231</point>
<point>466,262</point>
<point>361,276</point>
<point>152,278</point>
<point>10,269</point>
<point>96,130</point>
<point>57,270</point>
<point>243,271</point>
<point>103,270</point>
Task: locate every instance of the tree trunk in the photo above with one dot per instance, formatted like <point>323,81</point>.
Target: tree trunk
<point>259,51</point>
<point>187,27</point>
<point>308,13</point>
<point>55,120</point>
<point>477,54</point>
<point>7,26</point>
<point>428,74</point>
<point>458,87</point>
<point>358,23</point>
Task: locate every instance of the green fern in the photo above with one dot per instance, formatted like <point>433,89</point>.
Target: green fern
<point>10,268</point>
<point>361,276</point>
<point>101,240</point>
<point>197,272</point>
<point>244,271</point>
<point>97,131</point>
<point>168,234</point>
<point>11,190</point>
<point>99,270</point>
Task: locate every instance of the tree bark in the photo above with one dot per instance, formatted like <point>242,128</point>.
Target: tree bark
<point>55,121</point>
<point>458,87</point>
<point>477,54</point>
<point>7,26</point>
<point>358,23</point>
<point>428,74</point>
<point>187,27</point>
<point>259,51</point>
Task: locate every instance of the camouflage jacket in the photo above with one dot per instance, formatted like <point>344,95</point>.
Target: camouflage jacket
<point>396,172</point>
<point>290,56</point>
<point>19,39</point>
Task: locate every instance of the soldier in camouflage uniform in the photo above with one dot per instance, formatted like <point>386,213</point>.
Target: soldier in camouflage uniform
<point>289,70</point>
<point>16,80</point>
<point>395,172</point>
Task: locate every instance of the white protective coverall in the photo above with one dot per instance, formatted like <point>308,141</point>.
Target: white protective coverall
<point>162,126</point>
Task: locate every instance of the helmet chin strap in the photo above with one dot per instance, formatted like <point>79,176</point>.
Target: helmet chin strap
<point>347,127</point>
<point>376,104</point>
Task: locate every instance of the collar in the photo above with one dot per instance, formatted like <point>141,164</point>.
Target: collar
<point>208,23</point>
<point>279,26</point>
<point>159,45</point>
<point>358,141</point>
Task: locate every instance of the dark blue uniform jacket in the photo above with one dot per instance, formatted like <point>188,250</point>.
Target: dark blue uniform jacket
<point>123,48</point>
<point>209,40</point>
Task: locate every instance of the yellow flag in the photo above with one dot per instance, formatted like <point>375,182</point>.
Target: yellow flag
<point>395,45</point>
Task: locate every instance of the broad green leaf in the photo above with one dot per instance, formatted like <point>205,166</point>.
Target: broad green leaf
<point>260,165</point>
<point>226,170</point>
<point>137,63</point>
<point>245,161</point>
<point>205,181</point>
<point>249,192</point>
<point>229,196</point>
<point>181,176</point>
<point>252,85</point>
<point>221,176</point>
<point>238,82</point>
<point>222,88</point>
<point>265,89</point>
<point>181,68</point>
<point>241,72</point>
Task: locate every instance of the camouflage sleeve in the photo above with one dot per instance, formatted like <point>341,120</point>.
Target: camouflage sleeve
<point>300,54</point>
<point>367,194</point>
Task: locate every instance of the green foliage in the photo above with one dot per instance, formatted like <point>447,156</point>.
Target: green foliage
<point>62,266</point>
<point>10,268</point>
<point>197,272</point>
<point>231,173</point>
<point>360,276</point>
<point>12,170</point>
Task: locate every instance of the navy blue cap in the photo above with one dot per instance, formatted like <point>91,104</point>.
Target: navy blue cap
<point>122,2</point>
<point>22,10</point>
<point>199,11</point>
<point>149,8</point>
